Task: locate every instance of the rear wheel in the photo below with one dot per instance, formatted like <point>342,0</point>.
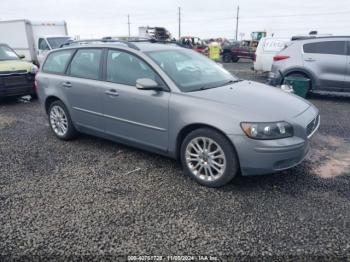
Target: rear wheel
<point>235,59</point>
<point>60,121</point>
<point>226,58</point>
<point>209,158</point>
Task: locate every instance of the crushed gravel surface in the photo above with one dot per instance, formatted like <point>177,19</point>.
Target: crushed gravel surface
<point>94,198</point>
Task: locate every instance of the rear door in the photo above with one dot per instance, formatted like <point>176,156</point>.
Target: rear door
<point>83,89</point>
<point>327,60</point>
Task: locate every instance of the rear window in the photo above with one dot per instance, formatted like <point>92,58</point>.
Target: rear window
<point>86,64</point>
<point>56,62</point>
<point>326,47</point>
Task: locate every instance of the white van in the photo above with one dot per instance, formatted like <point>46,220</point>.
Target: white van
<point>268,47</point>
<point>33,39</point>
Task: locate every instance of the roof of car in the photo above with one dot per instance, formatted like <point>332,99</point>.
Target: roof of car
<point>309,38</point>
<point>144,46</point>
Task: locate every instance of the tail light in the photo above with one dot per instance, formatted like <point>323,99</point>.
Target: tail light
<point>280,57</point>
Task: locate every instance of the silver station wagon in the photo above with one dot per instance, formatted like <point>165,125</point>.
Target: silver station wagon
<point>178,103</point>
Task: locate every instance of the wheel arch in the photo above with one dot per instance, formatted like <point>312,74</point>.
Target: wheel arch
<point>191,127</point>
<point>302,71</point>
<point>49,100</point>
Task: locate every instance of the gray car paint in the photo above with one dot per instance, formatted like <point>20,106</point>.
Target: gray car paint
<point>153,120</point>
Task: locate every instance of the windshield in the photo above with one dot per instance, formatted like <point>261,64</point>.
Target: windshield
<point>7,53</point>
<point>56,42</point>
<point>191,71</point>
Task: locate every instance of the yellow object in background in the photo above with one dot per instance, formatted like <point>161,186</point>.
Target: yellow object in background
<point>214,51</point>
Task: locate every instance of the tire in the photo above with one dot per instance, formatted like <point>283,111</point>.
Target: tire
<point>226,58</point>
<point>202,168</point>
<point>60,121</point>
<point>235,59</point>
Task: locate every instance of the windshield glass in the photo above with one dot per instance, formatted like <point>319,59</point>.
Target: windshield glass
<point>7,53</point>
<point>56,42</point>
<point>191,71</point>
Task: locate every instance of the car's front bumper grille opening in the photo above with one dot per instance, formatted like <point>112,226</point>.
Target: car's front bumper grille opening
<point>312,126</point>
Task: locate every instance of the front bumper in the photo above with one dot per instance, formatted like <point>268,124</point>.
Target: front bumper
<point>16,84</point>
<point>259,157</point>
<point>274,78</point>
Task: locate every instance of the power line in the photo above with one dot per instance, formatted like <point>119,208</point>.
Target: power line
<point>179,23</point>
<point>237,20</point>
<point>129,25</point>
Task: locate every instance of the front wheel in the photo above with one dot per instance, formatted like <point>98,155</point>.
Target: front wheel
<point>60,121</point>
<point>209,158</point>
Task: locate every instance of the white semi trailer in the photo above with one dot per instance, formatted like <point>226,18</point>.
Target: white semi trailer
<point>33,39</point>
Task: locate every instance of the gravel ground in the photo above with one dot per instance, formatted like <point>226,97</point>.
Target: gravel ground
<point>93,198</point>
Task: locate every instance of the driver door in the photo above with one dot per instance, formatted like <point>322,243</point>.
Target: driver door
<point>139,116</point>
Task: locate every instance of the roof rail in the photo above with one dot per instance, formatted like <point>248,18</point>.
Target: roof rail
<point>152,40</point>
<point>294,38</point>
<point>103,40</point>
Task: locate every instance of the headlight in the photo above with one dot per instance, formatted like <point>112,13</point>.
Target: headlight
<point>266,131</point>
<point>33,69</point>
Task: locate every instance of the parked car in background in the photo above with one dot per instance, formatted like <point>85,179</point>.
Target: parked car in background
<point>236,50</point>
<point>33,39</point>
<point>323,60</point>
<point>16,76</point>
<point>175,102</point>
<point>267,48</point>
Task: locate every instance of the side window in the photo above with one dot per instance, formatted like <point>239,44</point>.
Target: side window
<point>86,64</point>
<point>43,44</point>
<point>57,61</point>
<point>124,68</point>
<point>326,47</point>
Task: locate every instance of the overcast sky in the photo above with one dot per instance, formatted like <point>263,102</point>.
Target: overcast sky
<point>96,18</point>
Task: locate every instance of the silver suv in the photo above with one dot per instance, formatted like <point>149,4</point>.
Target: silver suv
<point>175,102</point>
<point>323,60</point>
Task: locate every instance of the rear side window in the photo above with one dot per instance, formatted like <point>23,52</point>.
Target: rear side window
<point>86,64</point>
<point>124,68</point>
<point>57,61</point>
<point>327,47</point>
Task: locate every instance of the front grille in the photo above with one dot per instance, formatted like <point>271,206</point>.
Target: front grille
<point>16,84</point>
<point>311,127</point>
<point>14,80</point>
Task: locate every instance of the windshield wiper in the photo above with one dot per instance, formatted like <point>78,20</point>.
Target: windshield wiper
<point>232,82</point>
<point>224,84</point>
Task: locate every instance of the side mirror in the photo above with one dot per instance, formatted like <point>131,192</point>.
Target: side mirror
<point>147,84</point>
<point>21,56</point>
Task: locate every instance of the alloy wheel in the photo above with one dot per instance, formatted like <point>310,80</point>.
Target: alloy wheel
<point>205,158</point>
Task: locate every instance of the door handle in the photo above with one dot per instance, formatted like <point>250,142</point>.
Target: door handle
<point>67,84</point>
<point>112,92</point>
<point>310,60</point>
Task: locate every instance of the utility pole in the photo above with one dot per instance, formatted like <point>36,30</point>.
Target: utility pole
<point>237,20</point>
<point>129,24</point>
<point>179,23</point>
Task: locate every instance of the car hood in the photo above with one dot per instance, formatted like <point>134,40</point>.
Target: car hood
<point>14,65</point>
<point>260,101</point>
